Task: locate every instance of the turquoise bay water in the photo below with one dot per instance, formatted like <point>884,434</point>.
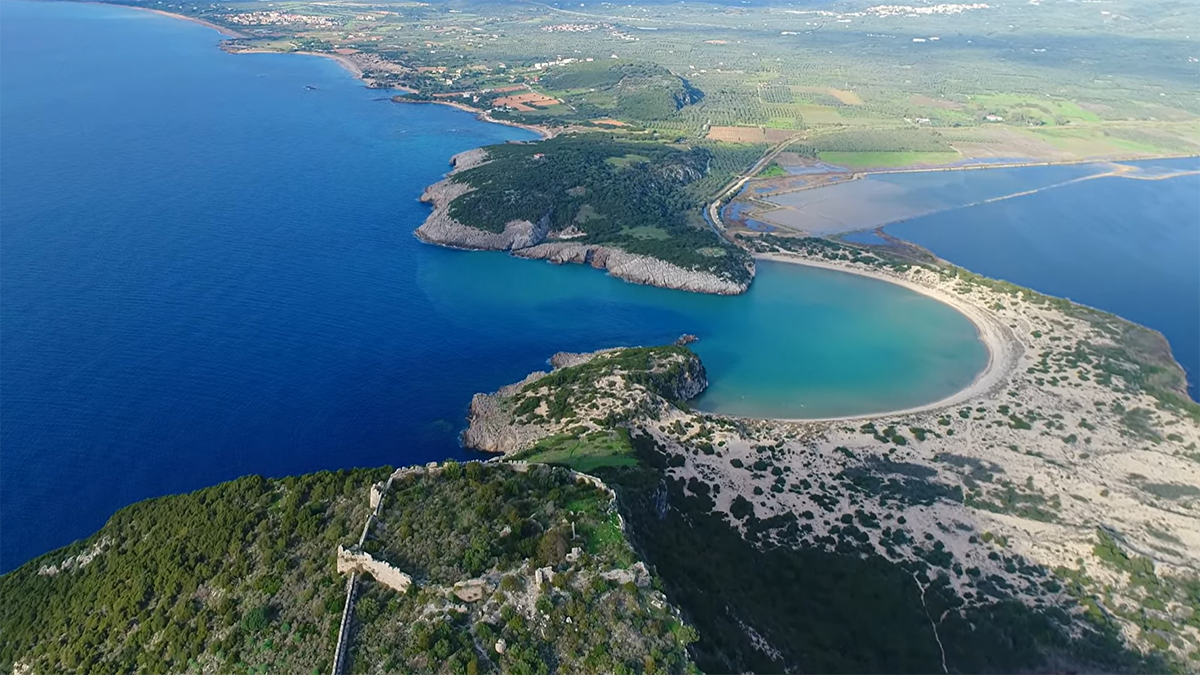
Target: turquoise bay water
<point>207,269</point>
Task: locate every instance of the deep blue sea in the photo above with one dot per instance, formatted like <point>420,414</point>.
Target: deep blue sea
<point>1131,247</point>
<point>207,269</point>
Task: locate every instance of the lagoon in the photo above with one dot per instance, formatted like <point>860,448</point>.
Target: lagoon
<point>1127,245</point>
<point>207,270</point>
<point>888,197</point>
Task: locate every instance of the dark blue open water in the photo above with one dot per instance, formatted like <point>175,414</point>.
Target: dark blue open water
<point>207,269</point>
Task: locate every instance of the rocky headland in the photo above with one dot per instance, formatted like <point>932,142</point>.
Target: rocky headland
<point>536,241</point>
<point>585,394</point>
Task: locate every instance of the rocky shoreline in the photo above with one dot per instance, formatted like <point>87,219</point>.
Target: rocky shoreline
<point>497,422</point>
<point>535,241</point>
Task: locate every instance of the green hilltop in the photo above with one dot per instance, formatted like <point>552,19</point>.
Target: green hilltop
<point>241,578</point>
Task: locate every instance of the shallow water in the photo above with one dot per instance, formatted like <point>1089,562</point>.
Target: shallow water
<point>208,270</point>
<point>879,199</point>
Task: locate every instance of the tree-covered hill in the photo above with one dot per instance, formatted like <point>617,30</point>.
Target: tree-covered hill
<point>231,578</point>
<point>635,196</point>
<point>241,578</point>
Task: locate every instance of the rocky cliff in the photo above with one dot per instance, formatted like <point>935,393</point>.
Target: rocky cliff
<point>639,269</point>
<point>491,427</point>
<point>531,240</point>
<point>584,392</point>
<point>439,228</point>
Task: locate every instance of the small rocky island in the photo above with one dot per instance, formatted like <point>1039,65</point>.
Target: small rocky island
<point>584,402</point>
<point>624,207</point>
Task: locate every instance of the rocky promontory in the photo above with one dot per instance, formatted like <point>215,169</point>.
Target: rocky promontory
<point>536,241</point>
<point>439,228</point>
<point>584,392</point>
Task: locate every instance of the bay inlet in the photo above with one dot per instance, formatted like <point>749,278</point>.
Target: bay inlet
<point>208,270</point>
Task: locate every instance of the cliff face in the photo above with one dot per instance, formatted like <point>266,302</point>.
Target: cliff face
<point>609,385</point>
<point>529,240</point>
<point>439,228</point>
<point>491,422</point>
<point>639,269</point>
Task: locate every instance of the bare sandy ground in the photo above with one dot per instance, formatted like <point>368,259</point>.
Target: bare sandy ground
<point>1040,426</point>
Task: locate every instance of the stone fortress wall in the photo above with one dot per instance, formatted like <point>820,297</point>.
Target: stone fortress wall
<point>385,573</point>
<point>356,562</point>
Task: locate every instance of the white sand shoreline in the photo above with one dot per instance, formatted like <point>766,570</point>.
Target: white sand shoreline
<point>1004,350</point>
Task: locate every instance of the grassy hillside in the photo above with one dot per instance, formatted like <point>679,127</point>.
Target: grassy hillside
<point>636,91</point>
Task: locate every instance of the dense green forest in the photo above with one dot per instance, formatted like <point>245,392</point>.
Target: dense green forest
<point>630,195</point>
<point>233,578</point>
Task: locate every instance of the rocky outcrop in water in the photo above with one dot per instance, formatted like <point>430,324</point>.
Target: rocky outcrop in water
<point>525,239</point>
<point>468,159</point>
<point>491,425</point>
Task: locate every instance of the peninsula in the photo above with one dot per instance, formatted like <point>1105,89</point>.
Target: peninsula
<point>721,98</point>
<point>614,205</point>
<point>1044,518</point>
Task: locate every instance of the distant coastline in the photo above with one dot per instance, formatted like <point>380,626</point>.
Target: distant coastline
<point>345,62</point>
<point>227,32</point>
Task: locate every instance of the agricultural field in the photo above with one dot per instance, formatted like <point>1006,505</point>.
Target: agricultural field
<point>851,83</point>
<point>748,134</point>
<point>1033,110</point>
<point>877,160</point>
<point>854,81</point>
